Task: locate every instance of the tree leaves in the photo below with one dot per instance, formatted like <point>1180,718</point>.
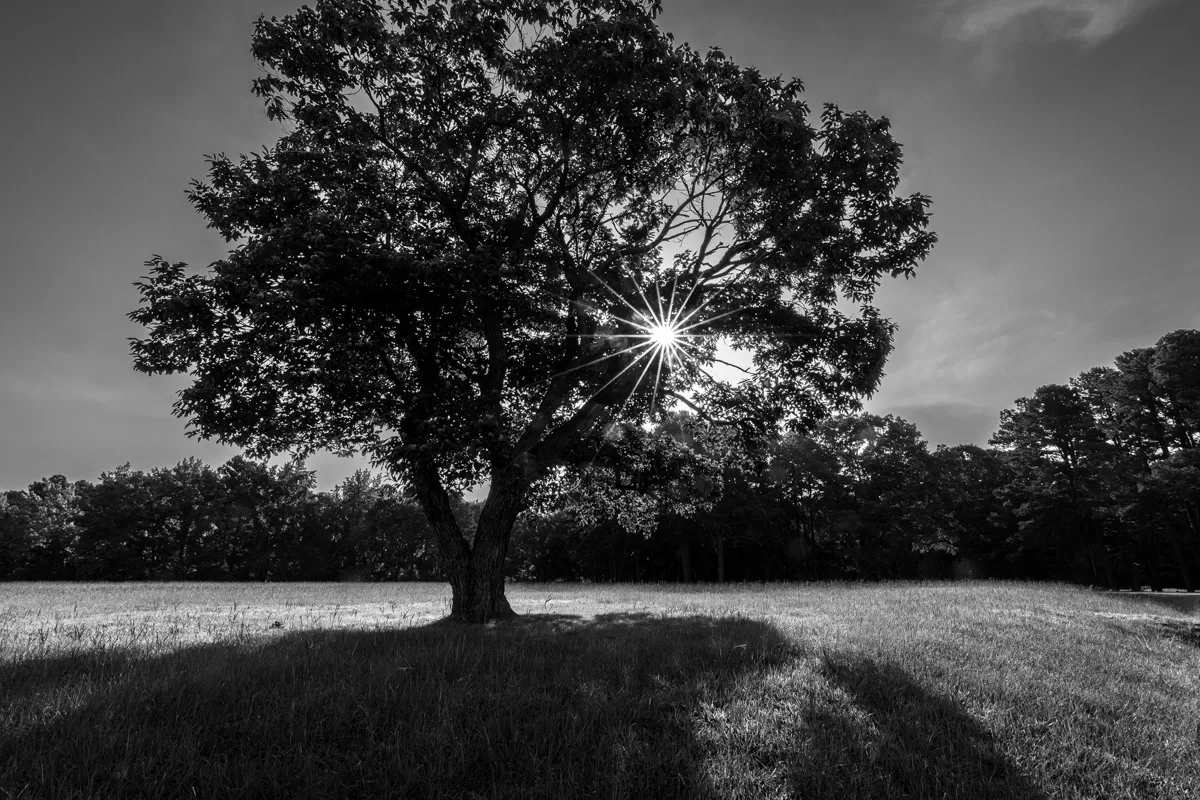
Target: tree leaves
<point>447,259</point>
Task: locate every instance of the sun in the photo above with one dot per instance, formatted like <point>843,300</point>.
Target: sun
<point>663,335</point>
<point>660,336</point>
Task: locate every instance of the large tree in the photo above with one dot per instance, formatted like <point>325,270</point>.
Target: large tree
<point>492,228</point>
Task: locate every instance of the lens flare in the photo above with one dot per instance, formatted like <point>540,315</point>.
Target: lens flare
<point>668,331</point>
<point>664,335</point>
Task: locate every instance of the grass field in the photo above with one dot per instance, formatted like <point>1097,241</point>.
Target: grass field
<point>980,691</point>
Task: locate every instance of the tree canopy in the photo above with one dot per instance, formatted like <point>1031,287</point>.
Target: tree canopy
<point>491,229</point>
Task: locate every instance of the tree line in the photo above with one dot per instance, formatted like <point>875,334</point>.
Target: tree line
<point>1093,481</point>
<point>246,520</point>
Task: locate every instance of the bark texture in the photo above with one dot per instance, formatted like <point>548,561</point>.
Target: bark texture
<point>475,569</point>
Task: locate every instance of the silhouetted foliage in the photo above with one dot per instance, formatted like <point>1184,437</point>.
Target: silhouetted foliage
<point>443,261</point>
<point>247,520</point>
<point>1104,484</point>
<point>1096,481</point>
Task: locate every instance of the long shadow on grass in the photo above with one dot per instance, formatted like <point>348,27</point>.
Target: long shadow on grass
<point>549,707</point>
<point>893,738</point>
<point>620,706</point>
<point>1187,603</point>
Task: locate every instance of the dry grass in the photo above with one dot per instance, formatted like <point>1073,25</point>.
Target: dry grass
<point>829,691</point>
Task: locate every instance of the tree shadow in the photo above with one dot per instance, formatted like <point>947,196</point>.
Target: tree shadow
<point>547,706</point>
<point>1176,601</point>
<point>1181,630</point>
<point>893,738</point>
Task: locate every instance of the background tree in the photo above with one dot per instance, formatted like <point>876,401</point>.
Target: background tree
<point>190,504</point>
<point>352,512</point>
<point>806,478</point>
<point>665,482</point>
<point>1155,393</point>
<point>1175,379</point>
<point>120,535</point>
<point>378,533</point>
<point>1061,481</point>
<point>495,227</point>
<point>968,514</point>
<point>267,516</point>
<point>14,542</point>
<point>40,530</point>
<point>861,488</point>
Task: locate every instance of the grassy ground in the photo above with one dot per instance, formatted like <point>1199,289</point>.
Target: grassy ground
<point>829,691</point>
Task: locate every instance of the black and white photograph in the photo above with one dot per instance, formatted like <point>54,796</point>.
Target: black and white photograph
<point>624,399</point>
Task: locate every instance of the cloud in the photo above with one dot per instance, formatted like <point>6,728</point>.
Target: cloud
<point>976,342</point>
<point>1087,21</point>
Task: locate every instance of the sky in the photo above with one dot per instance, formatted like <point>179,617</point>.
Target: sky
<point>1055,137</point>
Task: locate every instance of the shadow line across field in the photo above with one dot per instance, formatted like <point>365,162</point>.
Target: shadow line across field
<point>622,705</point>
<point>913,743</point>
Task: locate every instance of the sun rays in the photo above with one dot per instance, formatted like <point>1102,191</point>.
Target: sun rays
<point>661,335</point>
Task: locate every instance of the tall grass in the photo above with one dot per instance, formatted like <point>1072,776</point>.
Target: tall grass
<point>829,691</point>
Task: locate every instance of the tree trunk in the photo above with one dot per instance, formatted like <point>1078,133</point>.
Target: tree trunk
<point>1131,558</point>
<point>476,570</point>
<point>1110,581</point>
<point>477,592</point>
<point>720,558</point>
<point>685,556</point>
<point>1101,566</point>
<point>1188,507</point>
<point>1180,561</point>
<point>1152,562</point>
<point>185,531</point>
